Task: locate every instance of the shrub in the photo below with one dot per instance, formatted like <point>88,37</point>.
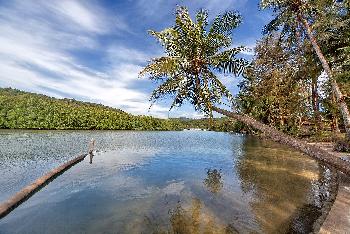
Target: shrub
<point>342,145</point>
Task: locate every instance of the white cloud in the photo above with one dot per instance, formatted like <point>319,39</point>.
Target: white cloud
<point>322,81</point>
<point>248,43</point>
<point>124,54</point>
<point>35,55</point>
<point>249,50</point>
<point>79,14</point>
<point>85,16</point>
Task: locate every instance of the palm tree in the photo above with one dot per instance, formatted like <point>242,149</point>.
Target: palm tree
<point>193,55</point>
<point>294,14</point>
<point>194,52</point>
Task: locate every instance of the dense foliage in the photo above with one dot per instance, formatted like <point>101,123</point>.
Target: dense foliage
<point>275,90</point>
<point>22,110</point>
<point>323,24</point>
<point>285,86</point>
<point>332,26</point>
<point>223,124</point>
<point>195,51</point>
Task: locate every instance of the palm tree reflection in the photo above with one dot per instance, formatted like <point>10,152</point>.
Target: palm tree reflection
<point>214,180</point>
<point>191,221</point>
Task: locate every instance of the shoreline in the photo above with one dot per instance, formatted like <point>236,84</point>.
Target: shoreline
<point>338,218</point>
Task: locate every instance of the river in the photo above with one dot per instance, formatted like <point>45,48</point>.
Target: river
<point>162,182</point>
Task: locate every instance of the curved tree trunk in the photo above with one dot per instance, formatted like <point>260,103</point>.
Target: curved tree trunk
<point>315,103</point>
<point>285,139</point>
<point>335,125</point>
<point>336,90</point>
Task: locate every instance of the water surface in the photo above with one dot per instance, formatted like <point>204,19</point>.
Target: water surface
<point>161,182</point>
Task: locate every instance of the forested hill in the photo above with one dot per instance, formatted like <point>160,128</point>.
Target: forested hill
<point>23,110</point>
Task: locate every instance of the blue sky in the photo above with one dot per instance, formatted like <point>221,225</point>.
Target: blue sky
<point>93,50</point>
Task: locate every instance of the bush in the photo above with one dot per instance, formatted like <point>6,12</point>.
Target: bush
<point>323,136</point>
<point>342,145</point>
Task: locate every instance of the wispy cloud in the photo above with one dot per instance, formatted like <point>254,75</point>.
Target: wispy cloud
<point>217,6</point>
<point>126,54</point>
<point>81,15</point>
<point>37,57</point>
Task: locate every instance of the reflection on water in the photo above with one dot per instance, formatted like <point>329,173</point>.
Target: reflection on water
<point>214,180</point>
<point>194,220</point>
<point>289,191</point>
<point>164,182</point>
<point>91,149</point>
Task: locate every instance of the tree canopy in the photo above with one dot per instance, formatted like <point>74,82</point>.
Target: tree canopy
<point>317,21</point>
<point>23,110</point>
<point>194,52</point>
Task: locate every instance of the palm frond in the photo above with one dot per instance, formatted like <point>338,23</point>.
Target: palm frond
<point>202,19</point>
<point>161,67</point>
<point>225,23</point>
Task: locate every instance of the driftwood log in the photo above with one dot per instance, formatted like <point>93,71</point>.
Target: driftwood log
<point>17,199</point>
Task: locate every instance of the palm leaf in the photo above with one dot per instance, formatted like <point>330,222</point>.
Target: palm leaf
<point>193,53</point>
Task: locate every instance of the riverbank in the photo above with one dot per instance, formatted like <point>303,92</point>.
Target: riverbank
<point>338,219</point>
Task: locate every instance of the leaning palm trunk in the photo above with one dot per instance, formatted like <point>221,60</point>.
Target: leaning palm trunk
<point>280,137</point>
<point>335,125</point>
<point>336,90</point>
<point>315,104</point>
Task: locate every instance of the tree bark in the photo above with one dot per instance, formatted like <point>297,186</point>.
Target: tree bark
<point>335,125</point>
<point>336,90</point>
<point>315,103</point>
<point>280,137</point>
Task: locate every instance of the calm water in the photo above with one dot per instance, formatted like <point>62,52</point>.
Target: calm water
<point>161,182</point>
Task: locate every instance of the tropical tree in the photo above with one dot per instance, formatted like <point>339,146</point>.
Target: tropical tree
<point>193,55</point>
<point>293,15</point>
<point>331,24</point>
<point>275,90</point>
<point>193,52</point>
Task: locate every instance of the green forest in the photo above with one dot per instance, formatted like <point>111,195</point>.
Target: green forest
<point>24,110</point>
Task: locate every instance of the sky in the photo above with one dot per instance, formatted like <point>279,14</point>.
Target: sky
<point>93,50</point>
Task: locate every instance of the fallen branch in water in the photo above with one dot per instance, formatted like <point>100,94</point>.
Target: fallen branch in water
<point>28,191</point>
<point>17,199</point>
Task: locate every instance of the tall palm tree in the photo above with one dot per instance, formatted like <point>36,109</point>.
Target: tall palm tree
<point>193,54</point>
<point>294,14</point>
<point>194,51</point>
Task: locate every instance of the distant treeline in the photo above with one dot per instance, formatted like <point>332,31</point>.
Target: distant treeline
<point>24,110</point>
<point>217,124</point>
